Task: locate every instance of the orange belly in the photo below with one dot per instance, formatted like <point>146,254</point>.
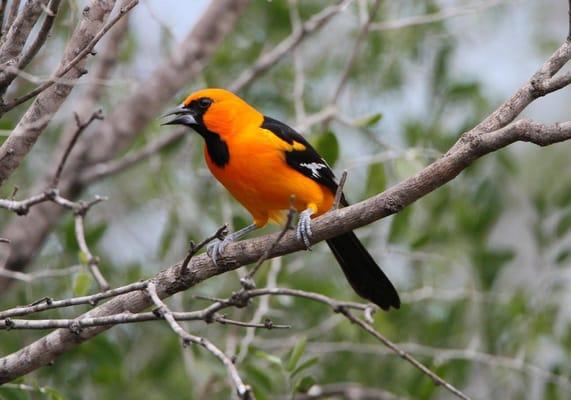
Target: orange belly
<point>258,176</point>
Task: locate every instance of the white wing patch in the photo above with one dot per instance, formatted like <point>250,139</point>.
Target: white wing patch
<point>314,168</point>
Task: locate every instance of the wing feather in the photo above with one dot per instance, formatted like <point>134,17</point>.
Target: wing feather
<point>302,157</point>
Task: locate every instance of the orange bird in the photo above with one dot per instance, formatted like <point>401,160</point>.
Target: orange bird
<point>263,162</point>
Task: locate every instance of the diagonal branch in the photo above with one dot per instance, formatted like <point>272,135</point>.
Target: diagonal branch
<point>403,354</point>
<point>492,134</point>
<point>267,60</point>
<point>80,56</point>
<point>23,59</point>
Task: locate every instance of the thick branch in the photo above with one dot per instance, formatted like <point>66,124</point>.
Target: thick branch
<point>23,59</point>
<point>19,30</point>
<point>170,281</point>
<point>42,36</point>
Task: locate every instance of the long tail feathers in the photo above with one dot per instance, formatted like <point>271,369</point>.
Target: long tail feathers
<point>362,272</point>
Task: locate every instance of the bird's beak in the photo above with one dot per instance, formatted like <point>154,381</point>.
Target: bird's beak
<point>180,116</point>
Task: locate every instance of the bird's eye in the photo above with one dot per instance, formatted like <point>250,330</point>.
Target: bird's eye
<point>204,102</point>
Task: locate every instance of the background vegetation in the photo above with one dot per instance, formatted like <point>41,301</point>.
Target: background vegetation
<point>483,264</point>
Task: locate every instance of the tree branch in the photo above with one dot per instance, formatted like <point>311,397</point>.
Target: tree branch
<point>38,115</point>
<point>51,13</point>
<point>19,30</point>
<point>105,169</point>
<point>267,60</point>
<point>488,136</point>
<point>23,59</point>
<point>123,126</point>
<point>80,57</point>
<point>244,391</point>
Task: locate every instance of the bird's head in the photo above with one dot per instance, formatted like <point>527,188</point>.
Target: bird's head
<point>214,110</point>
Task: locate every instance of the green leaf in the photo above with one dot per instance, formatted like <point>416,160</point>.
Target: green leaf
<point>83,259</point>
<point>95,232</point>
<point>305,384</point>
<point>563,199</point>
<point>305,365</point>
<point>270,358</point>
<point>260,377</point>
<point>563,256</point>
<point>376,179</point>
<point>563,225</point>
<point>54,394</point>
<point>296,354</point>
<point>369,121</point>
<point>400,225</point>
<point>328,146</point>
<point>81,283</point>
<point>406,167</point>
<point>168,234</point>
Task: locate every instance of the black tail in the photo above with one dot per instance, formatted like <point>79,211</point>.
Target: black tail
<point>362,272</point>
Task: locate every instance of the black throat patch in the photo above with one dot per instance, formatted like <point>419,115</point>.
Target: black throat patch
<point>216,147</point>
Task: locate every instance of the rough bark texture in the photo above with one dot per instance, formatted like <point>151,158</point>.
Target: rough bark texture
<point>43,109</point>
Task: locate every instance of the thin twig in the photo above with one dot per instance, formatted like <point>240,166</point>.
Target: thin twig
<point>42,35</point>
<point>299,80</point>
<point>403,354</point>
<point>355,53</point>
<point>81,126</point>
<point>128,318</point>
<point>49,304</point>
<point>339,192</point>
<point>439,16</point>
<point>244,391</point>
<point>41,274</point>
<point>247,281</point>
<point>92,261</point>
<point>102,170</point>
<point>262,309</point>
<point>267,60</point>
<point>12,14</point>
<point>195,248</point>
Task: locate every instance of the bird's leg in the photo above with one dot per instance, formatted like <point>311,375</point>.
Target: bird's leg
<point>303,231</point>
<point>217,246</point>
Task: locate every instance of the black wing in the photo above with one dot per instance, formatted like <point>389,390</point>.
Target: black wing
<point>306,161</point>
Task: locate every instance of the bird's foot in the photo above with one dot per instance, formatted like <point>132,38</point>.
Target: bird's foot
<point>217,246</point>
<point>303,231</point>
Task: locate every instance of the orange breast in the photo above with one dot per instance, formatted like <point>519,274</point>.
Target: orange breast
<point>258,176</point>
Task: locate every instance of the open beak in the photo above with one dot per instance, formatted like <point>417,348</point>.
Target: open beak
<point>179,116</point>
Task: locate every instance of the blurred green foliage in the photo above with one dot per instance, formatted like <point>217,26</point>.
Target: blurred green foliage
<point>492,247</point>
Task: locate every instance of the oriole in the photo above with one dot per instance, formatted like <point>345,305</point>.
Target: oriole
<point>263,162</point>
